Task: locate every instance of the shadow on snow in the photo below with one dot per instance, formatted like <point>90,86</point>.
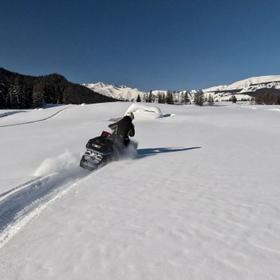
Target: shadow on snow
<point>141,153</point>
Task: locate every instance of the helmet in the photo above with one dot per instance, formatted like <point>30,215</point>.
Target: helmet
<point>131,115</point>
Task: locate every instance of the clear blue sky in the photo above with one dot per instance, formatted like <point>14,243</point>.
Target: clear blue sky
<point>148,44</point>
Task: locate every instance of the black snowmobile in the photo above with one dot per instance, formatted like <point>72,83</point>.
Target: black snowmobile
<point>102,150</point>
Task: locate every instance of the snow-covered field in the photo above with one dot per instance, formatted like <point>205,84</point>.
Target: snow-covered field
<point>199,201</point>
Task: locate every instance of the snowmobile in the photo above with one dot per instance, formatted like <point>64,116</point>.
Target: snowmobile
<point>102,150</point>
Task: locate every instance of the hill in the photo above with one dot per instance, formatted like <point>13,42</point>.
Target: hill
<point>19,91</point>
<point>265,89</point>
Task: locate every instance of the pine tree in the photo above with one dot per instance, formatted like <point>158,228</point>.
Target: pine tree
<point>138,98</point>
<point>37,96</point>
<point>210,100</point>
<point>150,96</point>
<point>161,98</point>
<point>16,96</point>
<point>186,99</point>
<point>169,97</point>
<point>233,99</point>
<point>199,98</point>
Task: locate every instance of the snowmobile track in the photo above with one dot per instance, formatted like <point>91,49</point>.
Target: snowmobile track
<point>20,204</point>
<point>35,121</point>
<point>26,184</point>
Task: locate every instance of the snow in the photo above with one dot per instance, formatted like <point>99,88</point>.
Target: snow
<point>199,201</point>
<point>221,97</point>
<point>244,85</point>
<point>254,80</point>
<point>142,112</point>
<point>8,112</point>
<point>215,88</point>
<point>117,92</point>
<point>240,88</point>
<point>220,93</point>
<point>36,115</point>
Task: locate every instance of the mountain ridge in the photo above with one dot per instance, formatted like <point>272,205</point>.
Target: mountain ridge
<point>245,89</point>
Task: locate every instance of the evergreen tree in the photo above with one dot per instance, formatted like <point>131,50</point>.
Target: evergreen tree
<point>3,95</point>
<point>199,98</point>
<point>161,98</point>
<point>38,96</point>
<point>169,97</point>
<point>149,100</point>
<point>210,100</point>
<point>151,97</point>
<point>186,99</point>
<point>233,99</point>
<point>16,96</point>
<point>138,98</point>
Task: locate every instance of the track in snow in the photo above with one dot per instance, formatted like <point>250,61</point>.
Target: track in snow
<point>35,121</point>
<point>22,203</point>
<point>53,178</point>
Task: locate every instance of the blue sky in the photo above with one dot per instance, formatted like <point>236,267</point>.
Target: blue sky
<point>147,44</point>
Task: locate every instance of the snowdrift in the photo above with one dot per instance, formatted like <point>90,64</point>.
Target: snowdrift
<point>143,112</point>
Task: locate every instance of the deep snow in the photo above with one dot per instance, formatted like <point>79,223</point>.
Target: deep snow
<point>199,201</point>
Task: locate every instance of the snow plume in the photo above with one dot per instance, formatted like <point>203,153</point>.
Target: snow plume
<point>131,151</point>
<point>54,178</point>
<point>66,163</point>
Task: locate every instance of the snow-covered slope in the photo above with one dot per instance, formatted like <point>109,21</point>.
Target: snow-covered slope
<point>117,92</point>
<point>248,84</point>
<point>254,81</point>
<point>199,201</point>
<point>242,88</point>
<point>131,94</point>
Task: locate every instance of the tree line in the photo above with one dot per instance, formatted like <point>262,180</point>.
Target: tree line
<point>170,97</point>
<point>22,92</point>
<point>177,97</point>
<point>198,97</point>
<point>267,96</point>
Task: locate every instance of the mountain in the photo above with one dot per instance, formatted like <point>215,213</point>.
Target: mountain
<point>265,89</point>
<point>23,91</point>
<point>118,92</point>
<point>247,85</point>
<point>126,93</point>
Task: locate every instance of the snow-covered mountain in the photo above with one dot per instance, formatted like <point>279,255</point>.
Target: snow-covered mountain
<point>131,94</point>
<point>248,85</point>
<point>243,90</point>
<point>117,92</point>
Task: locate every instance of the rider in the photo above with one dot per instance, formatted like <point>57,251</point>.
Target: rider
<point>123,129</point>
